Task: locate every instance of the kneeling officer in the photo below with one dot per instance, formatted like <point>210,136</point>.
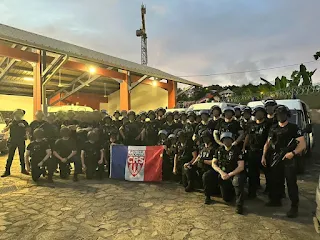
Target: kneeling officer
<point>228,162</point>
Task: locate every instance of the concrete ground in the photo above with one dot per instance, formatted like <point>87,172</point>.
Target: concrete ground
<point>128,210</point>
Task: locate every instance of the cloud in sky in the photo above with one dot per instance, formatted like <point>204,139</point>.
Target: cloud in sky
<point>185,37</point>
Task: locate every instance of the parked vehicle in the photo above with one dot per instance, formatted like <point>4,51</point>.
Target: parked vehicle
<point>176,109</point>
<point>67,108</point>
<point>300,115</point>
<point>207,106</point>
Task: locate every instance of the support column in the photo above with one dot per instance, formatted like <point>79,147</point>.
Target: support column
<point>172,94</point>
<point>36,87</point>
<point>125,103</point>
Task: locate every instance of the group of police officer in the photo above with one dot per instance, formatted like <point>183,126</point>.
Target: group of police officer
<point>217,150</point>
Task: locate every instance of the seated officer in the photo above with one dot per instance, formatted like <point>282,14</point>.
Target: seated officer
<point>229,164</point>
<point>92,155</point>
<point>185,155</point>
<point>65,151</point>
<point>204,162</point>
<point>40,152</point>
<point>168,157</point>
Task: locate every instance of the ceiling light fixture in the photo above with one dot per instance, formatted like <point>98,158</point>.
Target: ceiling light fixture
<point>28,79</point>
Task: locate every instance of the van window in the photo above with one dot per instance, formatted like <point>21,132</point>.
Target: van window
<point>306,113</point>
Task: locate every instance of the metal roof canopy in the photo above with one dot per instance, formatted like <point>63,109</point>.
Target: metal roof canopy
<point>36,41</point>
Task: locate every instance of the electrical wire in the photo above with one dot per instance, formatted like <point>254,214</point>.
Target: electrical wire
<point>248,71</point>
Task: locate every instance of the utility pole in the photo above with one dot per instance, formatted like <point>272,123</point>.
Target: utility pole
<point>143,35</point>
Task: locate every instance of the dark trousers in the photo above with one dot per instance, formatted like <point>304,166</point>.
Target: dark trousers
<point>233,187</point>
<point>167,167</point>
<point>64,167</point>
<point>284,171</point>
<point>254,165</point>
<point>210,182</point>
<point>21,145</point>
<point>37,171</point>
<point>190,176</point>
<point>93,168</point>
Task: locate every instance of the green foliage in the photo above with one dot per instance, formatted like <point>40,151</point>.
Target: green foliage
<point>316,56</point>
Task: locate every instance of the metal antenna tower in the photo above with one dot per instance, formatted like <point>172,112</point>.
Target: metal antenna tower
<point>143,35</point>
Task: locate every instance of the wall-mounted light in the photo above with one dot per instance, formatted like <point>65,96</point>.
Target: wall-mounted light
<point>154,83</point>
<point>92,70</point>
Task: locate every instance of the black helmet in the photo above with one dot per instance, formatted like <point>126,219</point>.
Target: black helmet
<point>259,108</point>
<point>163,132</point>
<point>283,109</point>
<point>171,136</point>
<point>168,114</point>
<point>177,131</point>
<point>116,112</point>
<point>123,112</point>
<point>107,117</point>
<point>206,112</point>
<point>270,102</point>
<point>206,133</point>
<point>247,109</point>
<point>143,113</point>
<point>151,112</point>
<point>181,134</point>
<point>215,107</point>
<point>175,112</point>
<point>231,109</point>
<point>191,113</point>
<point>183,113</point>
<point>237,108</point>
<point>161,109</point>
<point>131,112</point>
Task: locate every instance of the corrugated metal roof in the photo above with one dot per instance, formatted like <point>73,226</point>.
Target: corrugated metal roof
<point>37,41</point>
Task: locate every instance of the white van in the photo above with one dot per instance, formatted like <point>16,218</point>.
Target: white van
<point>300,115</point>
<point>196,108</point>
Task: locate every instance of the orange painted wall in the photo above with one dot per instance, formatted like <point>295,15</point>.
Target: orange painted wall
<point>82,99</point>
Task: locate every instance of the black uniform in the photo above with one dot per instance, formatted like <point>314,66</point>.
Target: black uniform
<point>233,127</point>
<point>18,131</point>
<point>206,172</point>
<point>285,170</point>
<point>213,125</point>
<point>64,148</point>
<point>189,128</point>
<point>168,157</point>
<point>258,135</point>
<point>169,127</point>
<point>38,150</point>
<point>36,125</point>
<point>131,132</point>
<point>92,155</point>
<point>151,133</point>
<point>227,162</point>
<point>200,128</point>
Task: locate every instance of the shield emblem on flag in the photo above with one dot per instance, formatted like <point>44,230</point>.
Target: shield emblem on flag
<point>135,164</point>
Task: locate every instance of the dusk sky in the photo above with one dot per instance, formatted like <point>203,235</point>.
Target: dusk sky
<point>185,37</point>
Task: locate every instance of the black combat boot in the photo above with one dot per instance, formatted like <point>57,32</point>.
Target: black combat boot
<point>207,200</point>
<point>6,173</point>
<point>293,212</point>
<point>239,210</point>
<point>75,178</point>
<point>25,172</point>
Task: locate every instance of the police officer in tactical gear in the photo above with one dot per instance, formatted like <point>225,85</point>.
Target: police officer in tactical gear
<point>280,136</point>
<point>124,114</point>
<point>246,118</point>
<point>117,122</point>
<point>216,119</point>
<point>229,124</point>
<point>270,106</point>
<point>18,135</point>
<point>185,156</point>
<point>162,137</point>
<point>161,115</point>
<point>130,131</point>
<point>203,125</point>
<point>204,163</point>
<point>169,125</point>
<point>229,164</point>
<point>237,113</point>
<point>256,136</point>
<point>150,130</point>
